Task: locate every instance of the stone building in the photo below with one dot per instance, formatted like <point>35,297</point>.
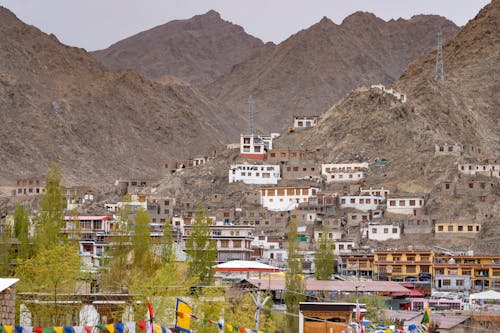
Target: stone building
<point>8,301</point>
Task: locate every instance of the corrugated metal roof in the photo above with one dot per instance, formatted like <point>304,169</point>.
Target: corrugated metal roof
<point>345,286</point>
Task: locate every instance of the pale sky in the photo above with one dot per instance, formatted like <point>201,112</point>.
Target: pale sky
<point>96,24</point>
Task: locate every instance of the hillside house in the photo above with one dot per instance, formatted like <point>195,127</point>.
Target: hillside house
<point>255,147</point>
<point>269,249</point>
<point>381,232</point>
<point>378,191</point>
<point>30,186</point>
<point>444,149</point>
<point>399,96</point>
<point>363,202</point>
<point>343,172</point>
<point>300,171</point>
<point>418,225</point>
<point>456,228</point>
<point>484,169</point>
<point>452,282</point>
<point>254,174</point>
<point>287,156</point>
<point>304,122</point>
<point>285,198</point>
<point>404,204</point>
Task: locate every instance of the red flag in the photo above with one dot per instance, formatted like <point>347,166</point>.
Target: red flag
<point>150,317</point>
<point>38,329</point>
<point>142,325</point>
<point>88,329</point>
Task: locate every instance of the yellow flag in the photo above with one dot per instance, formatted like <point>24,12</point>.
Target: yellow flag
<point>229,327</point>
<point>109,327</point>
<point>58,329</point>
<point>157,328</point>
<point>7,328</point>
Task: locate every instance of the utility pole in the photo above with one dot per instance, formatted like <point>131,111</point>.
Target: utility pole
<point>439,75</point>
<point>259,305</point>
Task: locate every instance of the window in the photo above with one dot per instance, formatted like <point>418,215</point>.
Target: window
<point>450,228</point>
<point>386,230</point>
<point>447,186</point>
<point>412,202</point>
<point>382,258</point>
<point>446,282</point>
<point>394,230</point>
<point>460,283</point>
<point>401,202</point>
<point>471,185</point>
<point>374,230</point>
<point>353,200</point>
<point>411,269</point>
<point>440,228</point>
<point>236,244</point>
<point>460,228</point>
<point>392,203</point>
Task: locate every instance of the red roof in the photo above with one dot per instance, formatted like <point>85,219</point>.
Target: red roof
<point>86,218</point>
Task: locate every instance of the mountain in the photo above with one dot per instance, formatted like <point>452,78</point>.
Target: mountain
<point>314,68</point>
<point>197,50</point>
<point>465,109</point>
<point>57,103</point>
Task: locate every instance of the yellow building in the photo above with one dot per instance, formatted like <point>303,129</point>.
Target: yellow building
<point>357,264</point>
<point>465,229</point>
<point>402,265</point>
<point>483,270</point>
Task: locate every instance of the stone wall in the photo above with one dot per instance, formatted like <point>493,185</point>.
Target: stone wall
<point>8,306</point>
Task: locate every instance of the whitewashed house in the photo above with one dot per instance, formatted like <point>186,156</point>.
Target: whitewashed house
<point>404,205</point>
<point>483,169</point>
<point>381,232</point>
<point>303,122</point>
<point>254,146</point>
<point>344,172</point>
<point>364,202</point>
<point>378,191</point>
<point>254,174</point>
<point>285,198</point>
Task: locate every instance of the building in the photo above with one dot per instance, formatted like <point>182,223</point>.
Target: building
<point>287,156</point>
<point>8,301</point>
<point>454,229</point>
<point>335,317</point>
<point>254,174</point>
<point>342,167</point>
<point>233,241</point>
<point>254,146</point>
<point>356,264</point>
<point>403,265</point>
<point>269,250</point>
<point>443,149</point>
<point>381,232</point>
<point>407,205</point>
<point>303,122</point>
<point>377,191</point>
<point>484,271</point>
<point>363,202</point>
<point>399,96</point>
<point>30,186</point>
<point>300,171</point>
<point>452,282</point>
<point>488,169</point>
<point>285,198</point>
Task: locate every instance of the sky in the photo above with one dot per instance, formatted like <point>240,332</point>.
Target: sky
<point>96,24</point>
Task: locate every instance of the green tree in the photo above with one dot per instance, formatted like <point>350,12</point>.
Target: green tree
<point>201,250</point>
<point>49,273</point>
<point>141,241</point>
<point>51,216</point>
<point>324,256</point>
<point>294,283</point>
<point>6,253</point>
<point>168,246</point>
<point>21,232</point>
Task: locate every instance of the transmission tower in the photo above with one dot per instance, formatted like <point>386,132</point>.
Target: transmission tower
<point>250,114</point>
<point>439,71</point>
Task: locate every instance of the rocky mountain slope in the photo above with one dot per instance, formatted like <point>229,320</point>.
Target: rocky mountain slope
<point>197,50</point>
<point>314,68</point>
<point>57,103</point>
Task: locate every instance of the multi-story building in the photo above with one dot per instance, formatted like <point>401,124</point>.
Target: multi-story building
<point>407,205</point>
<point>285,198</point>
<point>300,171</point>
<point>484,271</point>
<point>30,186</point>
<point>233,241</point>
<point>403,265</point>
<point>489,168</point>
<point>357,264</point>
<point>254,146</point>
<point>254,174</point>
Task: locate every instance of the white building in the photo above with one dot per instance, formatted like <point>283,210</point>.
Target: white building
<point>254,174</point>
<point>378,191</point>
<point>303,122</point>
<point>400,96</point>
<point>489,170</point>
<point>364,202</point>
<point>404,205</point>
<point>381,232</point>
<point>344,247</point>
<point>285,198</point>
<point>331,234</point>
<point>254,146</point>
<point>345,176</point>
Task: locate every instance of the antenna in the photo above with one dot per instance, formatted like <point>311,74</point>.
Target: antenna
<point>250,114</point>
<point>439,71</point>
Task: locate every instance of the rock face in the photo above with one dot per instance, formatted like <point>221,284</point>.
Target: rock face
<point>314,68</point>
<point>197,50</point>
<point>57,103</point>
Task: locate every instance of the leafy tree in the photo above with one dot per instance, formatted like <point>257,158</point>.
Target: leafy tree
<point>21,232</point>
<point>294,284</point>
<point>167,248</point>
<point>6,248</point>
<point>141,242</point>
<point>323,257</point>
<point>50,218</point>
<point>201,250</point>
<point>49,273</point>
